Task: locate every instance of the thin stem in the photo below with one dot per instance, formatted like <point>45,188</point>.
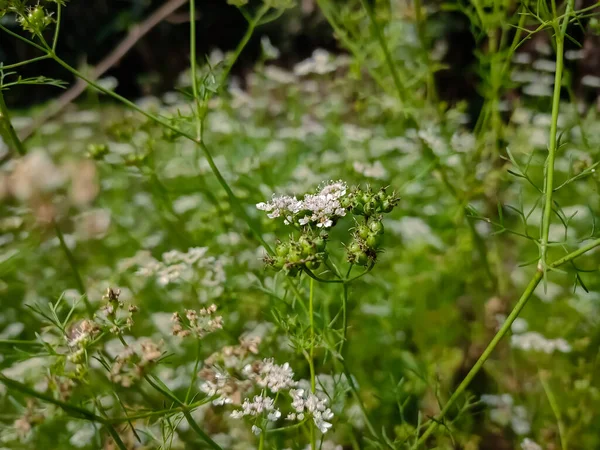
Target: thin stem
<point>252,24</point>
<point>549,179</point>
<point>484,356</point>
<point>70,409</point>
<point>261,440</point>
<point>420,23</point>
<point>344,318</point>
<point>6,127</point>
<point>199,431</point>
<point>21,38</point>
<point>194,372</point>
<point>499,335</point>
<point>24,63</point>
<point>562,434</point>
<point>74,269</point>
<point>232,198</point>
<point>57,28</point>
<point>116,438</point>
<point>193,68</point>
<point>311,360</point>
<point>385,49</point>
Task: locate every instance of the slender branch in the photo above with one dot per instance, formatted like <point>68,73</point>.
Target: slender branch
<point>73,410</point>
<point>311,358</point>
<point>136,33</point>
<point>252,24</point>
<point>499,335</point>
<point>199,431</point>
<point>549,178</point>
<point>385,49</point>
<point>562,433</point>
<point>24,63</point>
<point>57,27</point>
<point>74,269</point>
<point>6,128</point>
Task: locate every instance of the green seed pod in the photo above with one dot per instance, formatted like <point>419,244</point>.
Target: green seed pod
<point>361,258</point>
<point>374,241</point>
<point>387,206</point>
<point>370,208</point>
<point>294,257</point>
<point>278,262</point>
<point>306,246</point>
<point>282,249</point>
<point>362,231</point>
<point>320,244</point>
<point>354,248</point>
<point>376,226</point>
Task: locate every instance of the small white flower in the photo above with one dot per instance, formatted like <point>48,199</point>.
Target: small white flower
<point>256,430</point>
<point>528,444</point>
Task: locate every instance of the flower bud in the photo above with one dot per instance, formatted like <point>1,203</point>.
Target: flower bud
<point>376,226</point>
<point>373,241</point>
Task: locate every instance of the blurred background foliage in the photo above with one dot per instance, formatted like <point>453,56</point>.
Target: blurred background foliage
<point>92,29</point>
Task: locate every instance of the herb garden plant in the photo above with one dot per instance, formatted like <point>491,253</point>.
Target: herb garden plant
<point>327,258</point>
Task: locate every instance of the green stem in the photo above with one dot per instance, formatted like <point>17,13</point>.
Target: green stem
<point>113,433</point>
<point>485,355</point>
<point>24,63</point>
<point>194,372</point>
<point>252,24</point>
<point>420,23</point>
<point>6,128</point>
<point>261,440</point>
<point>549,179</point>
<point>499,335</point>
<point>562,434</point>
<point>232,198</point>
<point>193,68</point>
<point>21,38</point>
<point>311,360</point>
<point>385,49</point>
<point>199,431</point>
<point>57,28</point>
<point>74,269</point>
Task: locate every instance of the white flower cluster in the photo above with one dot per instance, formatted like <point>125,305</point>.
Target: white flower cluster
<point>375,170</point>
<point>504,412</point>
<point>198,323</point>
<point>258,406</point>
<point>320,63</point>
<point>277,378</point>
<point>267,374</point>
<point>320,209</point>
<point>532,340</point>
<point>305,402</point>
<point>528,444</point>
<point>177,266</point>
<point>218,386</point>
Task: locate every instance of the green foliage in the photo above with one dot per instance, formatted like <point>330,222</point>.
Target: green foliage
<point>138,311</point>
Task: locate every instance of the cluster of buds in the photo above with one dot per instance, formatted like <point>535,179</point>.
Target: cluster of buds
<point>97,151</point>
<point>131,364</point>
<point>293,256</point>
<point>368,203</point>
<point>34,20</point>
<point>199,323</point>
<point>79,340</point>
<point>111,309</point>
<point>217,381</point>
<point>235,356</point>
<point>136,159</point>
<point>366,240</point>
